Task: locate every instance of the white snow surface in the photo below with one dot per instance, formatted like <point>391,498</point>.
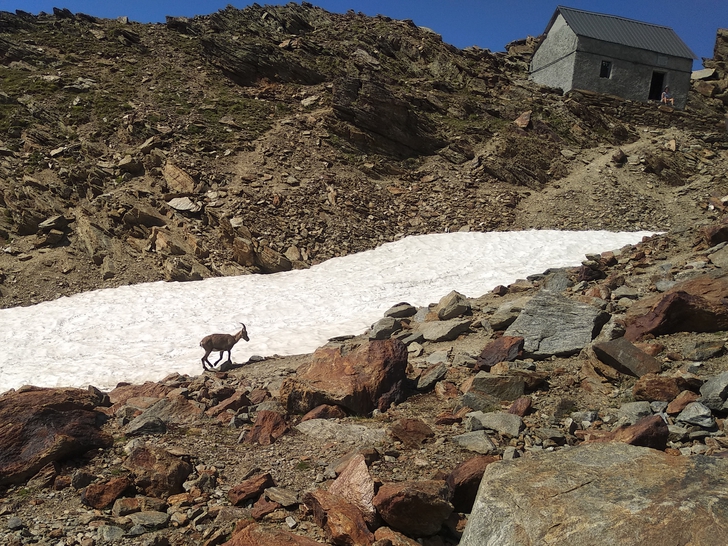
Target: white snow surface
<point>147,331</point>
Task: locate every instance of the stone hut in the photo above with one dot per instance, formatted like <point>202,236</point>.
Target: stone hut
<point>612,55</point>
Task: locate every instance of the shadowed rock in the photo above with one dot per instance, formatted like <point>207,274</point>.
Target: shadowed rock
<point>40,426</point>
<point>158,472</point>
<point>416,508</point>
<point>373,119</point>
<point>464,480</point>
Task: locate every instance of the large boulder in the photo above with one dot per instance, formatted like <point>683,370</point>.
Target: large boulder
<point>39,426</point>
<point>341,520</point>
<point>697,305</point>
<point>355,485</point>
<point>417,508</point>
<point>358,381</point>
<point>601,495</point>
<point>551,324</point>
<point>158,473</point>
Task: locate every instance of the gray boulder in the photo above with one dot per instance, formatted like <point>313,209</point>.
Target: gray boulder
<point>601,495</point>
<point>715,391</point>
<point>444,330</point>
<point>506,424</point>
<point>696,414</point>
<point>452,306</point>
<point>552,324</point>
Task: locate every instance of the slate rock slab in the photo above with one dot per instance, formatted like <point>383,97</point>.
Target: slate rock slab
<point>623,356</point>
<point>601,495</point>
<point>714,392</point>
<point>553,325</point>
<point>39,426</point>
<point>444,330</point>
<point>340,432</point>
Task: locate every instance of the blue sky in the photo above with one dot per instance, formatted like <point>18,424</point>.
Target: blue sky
<point>484,23</point>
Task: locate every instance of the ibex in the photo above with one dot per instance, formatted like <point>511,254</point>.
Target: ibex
<point>222,343</point>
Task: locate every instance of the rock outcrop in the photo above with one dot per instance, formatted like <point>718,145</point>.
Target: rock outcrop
<point>599,494</point>
<point>42,426</point>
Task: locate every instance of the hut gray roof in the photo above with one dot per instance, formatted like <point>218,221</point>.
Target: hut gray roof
<point>628,32</point>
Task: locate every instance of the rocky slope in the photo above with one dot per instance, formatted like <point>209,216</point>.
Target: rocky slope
<point>275,137</point>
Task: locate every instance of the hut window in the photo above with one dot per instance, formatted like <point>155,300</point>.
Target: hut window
<point>606,70</point>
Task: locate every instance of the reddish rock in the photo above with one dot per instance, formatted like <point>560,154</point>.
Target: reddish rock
<point>411,432</point>
<point>623,356</point>
<point>503,349</point>
<point>130,505</point>
<point>252,488</point>
<point>385,534</point>
<point>715,234</point>
<point>520,406</point>
<point>524,120</point>
<point>120,395</point>
<point>445,390</point>
<point>40,426</point>
<point>648,432</point>
<point>263,507</point>
<point>257,396</point>
<point>356,485</point>
<point>500,290</point>
<point>254,535</point>
<point>325,411</point>
<point>653,387</point>
<point>359,380</point>
<point>414,508</point>
<point>464,480</point>
<point>268,427</point>
<point>697,305</point>
<point>234,402</point>
<point>681,401</point>
<point>447,418</point>
<point>103,495</point>
<point>141,402</point>
<point>341,520</point>
<point>652,349</point>
<point>158,472</point>
<point>369,453</point>
<point>61,482</point>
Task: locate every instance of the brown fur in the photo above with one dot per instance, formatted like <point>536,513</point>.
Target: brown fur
<point>220,342</point>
